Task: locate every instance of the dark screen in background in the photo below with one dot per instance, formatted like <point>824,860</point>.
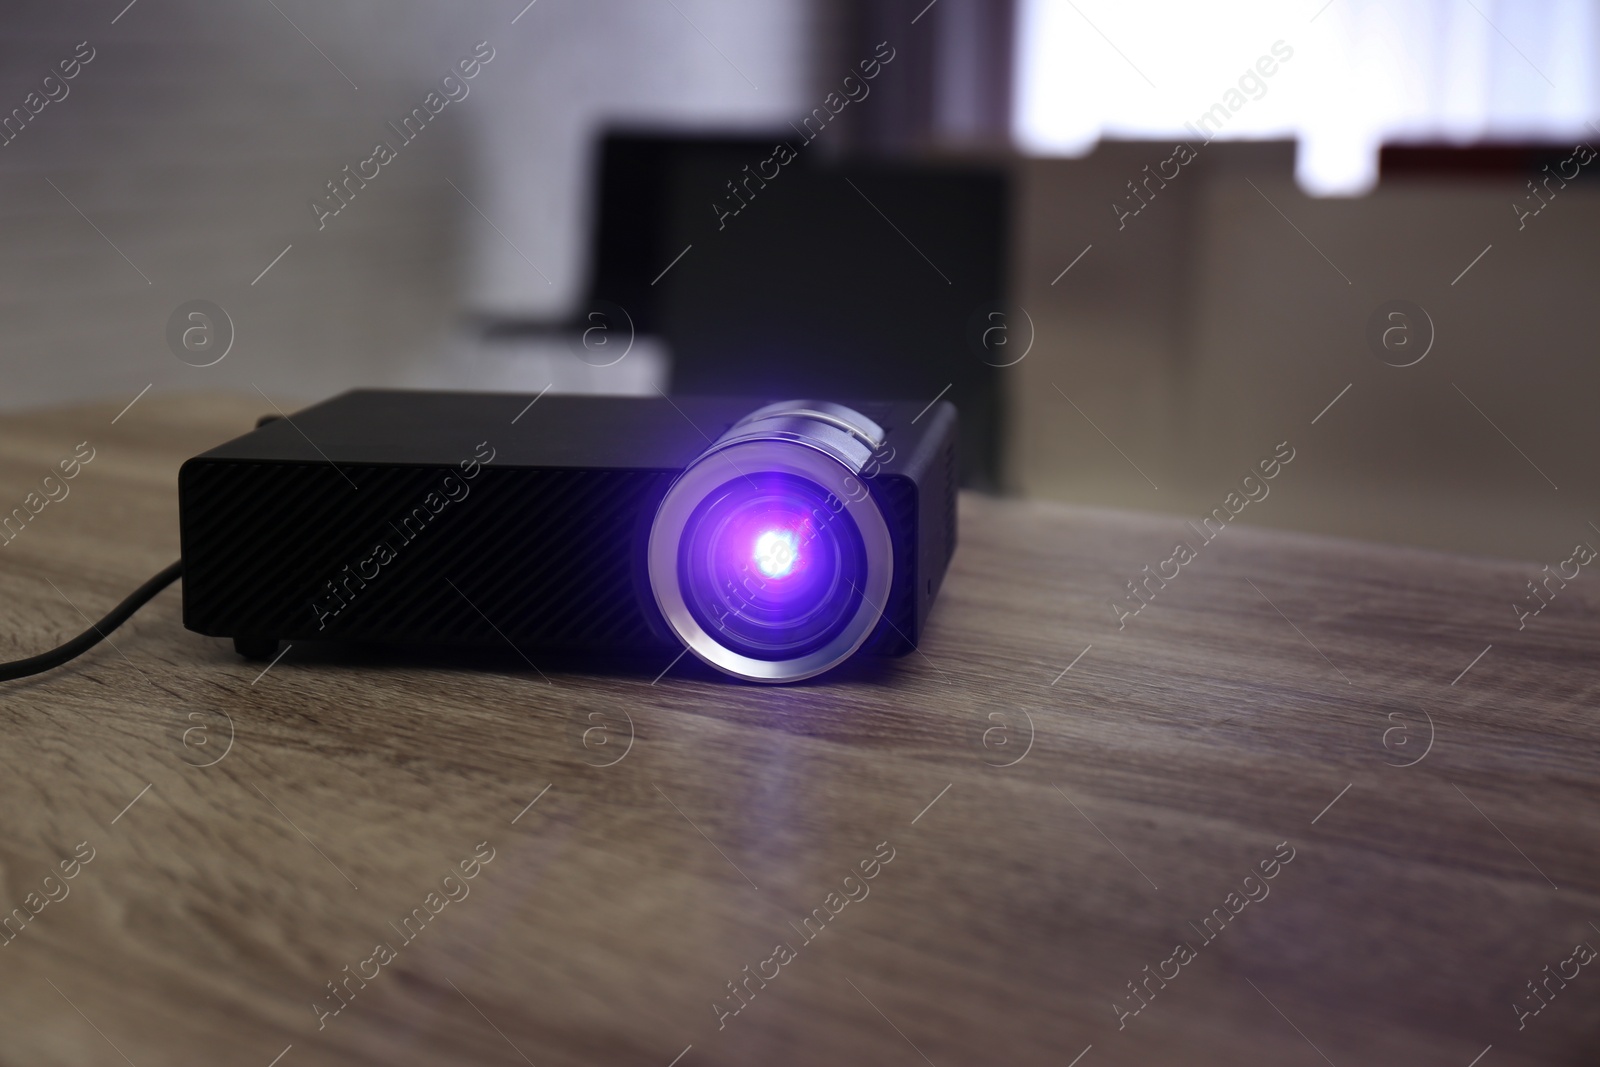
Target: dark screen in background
<point>809,291</point>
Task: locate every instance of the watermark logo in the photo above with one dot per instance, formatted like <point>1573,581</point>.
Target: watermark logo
<point>343,188</point>
<point>605,336</point>
<point>204,743</point>
<point>1253,888</point>
<point>1544,986</point>
<point>53,889</point>
<point>1400,332</point>
<point>341,590</point>
<point>1252,489</point>
<point>1582,156</point>
<point>52,489</point>
<point>853,888</point>
<point>200,333</point>
<point>53,89</point>
<point>1540,595</point>
<point>1400,741</point>
<point>607,739</point>
<point>1000,334</point>
<point>1008,739</point>
<point>852,89</point>
<point>452,888</point>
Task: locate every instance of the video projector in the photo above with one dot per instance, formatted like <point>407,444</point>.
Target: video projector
<point>773,541</point>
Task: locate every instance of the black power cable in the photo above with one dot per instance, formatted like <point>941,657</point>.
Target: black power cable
<point>118,615</point>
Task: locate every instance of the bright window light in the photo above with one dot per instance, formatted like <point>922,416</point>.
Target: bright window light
<point>1345,77</point>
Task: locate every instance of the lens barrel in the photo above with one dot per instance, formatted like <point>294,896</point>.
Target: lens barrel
<point>769,557</point>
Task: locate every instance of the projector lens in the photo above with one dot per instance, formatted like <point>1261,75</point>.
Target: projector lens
<point>768,556</point>
<point>776,552</point>
<point>769,569</point>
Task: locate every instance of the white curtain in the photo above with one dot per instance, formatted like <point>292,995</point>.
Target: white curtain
<point>1360,73</point>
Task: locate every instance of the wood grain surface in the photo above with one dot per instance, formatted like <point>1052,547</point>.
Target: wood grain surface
<point>1051,832</point>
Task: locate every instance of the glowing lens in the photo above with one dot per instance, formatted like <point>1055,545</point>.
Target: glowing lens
<point>771,565</point>
<point>776,552</point>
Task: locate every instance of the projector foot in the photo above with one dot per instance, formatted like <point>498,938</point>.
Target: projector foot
<point>256,647</point>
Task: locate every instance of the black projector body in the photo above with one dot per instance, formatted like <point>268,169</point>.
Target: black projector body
<point>462,519</point>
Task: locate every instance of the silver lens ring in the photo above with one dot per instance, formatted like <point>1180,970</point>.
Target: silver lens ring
<point>805,454</point>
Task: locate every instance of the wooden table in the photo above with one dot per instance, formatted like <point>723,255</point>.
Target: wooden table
<point>1053,832</point>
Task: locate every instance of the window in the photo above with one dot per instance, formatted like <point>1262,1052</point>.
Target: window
<point>1358,73</point>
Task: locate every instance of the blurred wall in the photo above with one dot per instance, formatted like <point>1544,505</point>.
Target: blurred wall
<point>1205,329</point>
<point>758,65</point>
<point>193,142</point>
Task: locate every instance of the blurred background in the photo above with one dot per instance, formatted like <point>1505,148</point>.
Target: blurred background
<point>1138,245</point>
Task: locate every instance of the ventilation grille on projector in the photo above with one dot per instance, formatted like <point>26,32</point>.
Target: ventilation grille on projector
<point>544,557</point>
